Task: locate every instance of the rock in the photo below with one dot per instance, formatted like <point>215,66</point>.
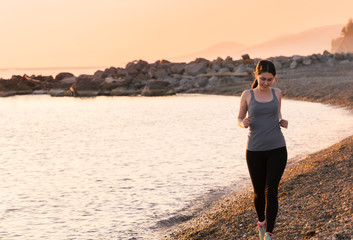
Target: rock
<point>240,69</point>
<point>210,70</point>
<point>121,72</point>
<point>338,56</point>
<point>212,82</point>
<point>7,93</point>
<point>132,68</point>
<point>249,70</point>
<point>323,58</point>
<point>165,65</point>
<point>297,58</point>
<point>26,85</point>
<point>201,60</point>
<point>278,64</point>
<point>326,53</point>
<point>99,74</point>
<point>216,65</point>
<point>151,72</point>
<point>157,88</point>
<point>110,72</point>
<point>108,85</point>
<point>160,74</point>
<point>225,82</point>
<point>122,91</point>
<point>122,82</point>
<point>184,84</point>
<point>283,60</point>
<point>40,92</point>
<point>307,61</point>
<point>224,70</point>
<point>171,80</point>
<point>293,65</point>
<point>139,81</point>
<point>8,87</point>
<point>344,61</point>
<point>45,81</point>
<point>67,81</point>
<point>62,87</point>
<point>56,92</point>
<point>194,69</point>
<point>63,75</point>
<point>177,68</point>
<point>23,88</point>
<point>141,65</point>
<point>349,56</point>
<point>228,63</point>
<point>331,62</point>
<point>246,59</point>
<point>200,82</point>
<point>162,62</point>
<point>85,86</point>
<point>177,77</point>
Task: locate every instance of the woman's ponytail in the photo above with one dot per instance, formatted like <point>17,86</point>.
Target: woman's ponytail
<point>254,84</point>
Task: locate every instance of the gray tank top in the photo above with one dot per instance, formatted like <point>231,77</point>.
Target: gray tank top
<point>264,131</point>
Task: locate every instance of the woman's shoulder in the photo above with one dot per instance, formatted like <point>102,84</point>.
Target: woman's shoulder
<point>246,92</point>
<point>277,90</point>
<point>246,95</point>
<point>278,93</point>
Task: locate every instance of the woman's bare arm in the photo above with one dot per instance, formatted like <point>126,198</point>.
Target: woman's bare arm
<point>283,123</point>
<point>242,120</point>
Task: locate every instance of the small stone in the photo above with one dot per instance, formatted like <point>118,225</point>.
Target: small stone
<point>326,52</point>
<point>245,57</point>
<point>331,62</point>
<point>293,65</point>
<point>344,61</point>
<point>307,61</point>
<point>297,58</point>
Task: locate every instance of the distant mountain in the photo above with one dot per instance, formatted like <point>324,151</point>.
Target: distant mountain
<point>315,40</point>
<point>219,50</point>
<point>304,43</point>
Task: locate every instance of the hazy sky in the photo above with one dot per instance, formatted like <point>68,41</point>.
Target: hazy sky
<point>67,33</point>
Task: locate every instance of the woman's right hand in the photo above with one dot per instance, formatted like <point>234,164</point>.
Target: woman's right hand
<point>246,122</point>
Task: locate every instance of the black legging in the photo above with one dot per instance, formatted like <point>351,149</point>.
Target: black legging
<point>266,169</point>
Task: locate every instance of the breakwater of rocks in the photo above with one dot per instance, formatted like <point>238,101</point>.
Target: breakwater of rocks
<point>162,78</point>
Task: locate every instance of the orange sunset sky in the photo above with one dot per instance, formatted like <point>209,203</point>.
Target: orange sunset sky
<point>86,33</point>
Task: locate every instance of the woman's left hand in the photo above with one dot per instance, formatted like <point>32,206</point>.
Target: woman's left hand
<point>283,123</point>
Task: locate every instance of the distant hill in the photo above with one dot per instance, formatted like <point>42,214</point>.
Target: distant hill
<point>304,43</point>
<point>314,40</point>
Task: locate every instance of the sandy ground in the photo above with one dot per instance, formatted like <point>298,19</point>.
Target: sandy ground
<point>316,194</point>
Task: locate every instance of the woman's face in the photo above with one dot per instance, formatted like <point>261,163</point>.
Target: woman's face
<point>265,80</point>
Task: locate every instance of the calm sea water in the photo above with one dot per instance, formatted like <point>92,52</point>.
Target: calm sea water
<point>119,167</point>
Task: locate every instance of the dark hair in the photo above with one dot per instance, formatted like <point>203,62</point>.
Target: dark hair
<point>261,67</point>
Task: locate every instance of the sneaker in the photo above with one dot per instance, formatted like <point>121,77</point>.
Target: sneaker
<point>261,231</point>
<point>268,236</point>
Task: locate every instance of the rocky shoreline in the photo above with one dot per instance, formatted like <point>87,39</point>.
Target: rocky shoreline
<point>220,76</point>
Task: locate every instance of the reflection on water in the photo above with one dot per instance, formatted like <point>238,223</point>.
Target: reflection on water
<point>112,167</point>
